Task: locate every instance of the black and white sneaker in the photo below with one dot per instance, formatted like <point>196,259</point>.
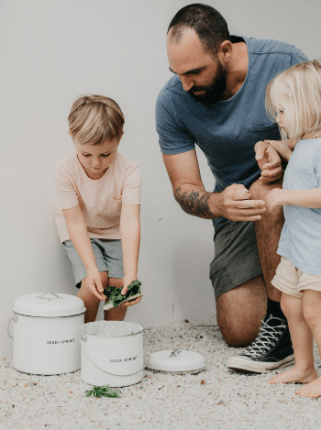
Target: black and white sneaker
<point>271,349</point>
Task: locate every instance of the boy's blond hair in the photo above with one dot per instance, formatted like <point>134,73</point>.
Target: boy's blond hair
<point>298,91</point>
<point>95,119</point>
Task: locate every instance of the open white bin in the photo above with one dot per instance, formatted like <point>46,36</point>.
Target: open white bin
<point>112,353</point>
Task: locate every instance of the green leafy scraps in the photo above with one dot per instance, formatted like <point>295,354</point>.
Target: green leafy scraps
<point>102,392</point>
<point>115,296</point>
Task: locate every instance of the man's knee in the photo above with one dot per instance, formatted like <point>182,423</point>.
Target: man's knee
<point>259,190</point>
<point>240,312</point>
<point>236,336</point>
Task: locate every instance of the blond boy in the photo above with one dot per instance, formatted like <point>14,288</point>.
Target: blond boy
<point>98,205</point>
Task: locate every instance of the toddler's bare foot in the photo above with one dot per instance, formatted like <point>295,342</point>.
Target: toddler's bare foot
<point>294,375</point>
<point>313,389</point>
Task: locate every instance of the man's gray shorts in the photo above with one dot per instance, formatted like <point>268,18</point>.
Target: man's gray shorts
<point>236,256</point>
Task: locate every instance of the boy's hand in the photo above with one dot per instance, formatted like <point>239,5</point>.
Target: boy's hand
<point>93,282</point>
<point>276,197</point>
<point>127,280</point>
<point>269,162</point>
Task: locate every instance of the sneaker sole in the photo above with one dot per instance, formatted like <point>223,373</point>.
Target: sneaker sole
<point>239,363</point>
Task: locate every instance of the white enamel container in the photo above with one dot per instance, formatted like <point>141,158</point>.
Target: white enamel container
<point>46,333</point>
<point>112,353</point>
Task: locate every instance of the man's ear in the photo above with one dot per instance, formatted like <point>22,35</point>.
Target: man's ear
<point>225,51</point>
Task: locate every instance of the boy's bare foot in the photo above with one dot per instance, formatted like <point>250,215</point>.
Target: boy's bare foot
<point>313,389</point>
<point>295,375</point>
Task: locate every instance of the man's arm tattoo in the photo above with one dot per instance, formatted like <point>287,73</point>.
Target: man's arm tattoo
<point>194,203</point>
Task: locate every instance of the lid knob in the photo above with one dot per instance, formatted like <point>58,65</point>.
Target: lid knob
<point>49,296</point>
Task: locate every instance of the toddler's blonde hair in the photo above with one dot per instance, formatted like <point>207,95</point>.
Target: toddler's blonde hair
<point>298,91</point>
<point>95,119</point>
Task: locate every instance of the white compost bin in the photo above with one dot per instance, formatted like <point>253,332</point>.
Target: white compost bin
<point>112,353</point>
<point>46,332</point>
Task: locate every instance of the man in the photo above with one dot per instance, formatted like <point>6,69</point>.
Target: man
<point>216,100</point>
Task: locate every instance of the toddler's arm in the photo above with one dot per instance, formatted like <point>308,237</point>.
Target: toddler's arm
<point>304,198</point>
<point>269,161</point>
<point>79,236</point>
<point>130,239</point>
<point>284,149</point>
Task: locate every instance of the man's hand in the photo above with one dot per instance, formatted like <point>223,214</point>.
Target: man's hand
<point>236,204</point>
<point>269,162</point>
<point>93,282</point>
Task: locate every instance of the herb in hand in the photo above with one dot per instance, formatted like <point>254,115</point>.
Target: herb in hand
<point>116,298</point>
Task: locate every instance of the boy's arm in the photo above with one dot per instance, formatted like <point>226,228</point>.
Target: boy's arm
<point>79,236</point>
<point>130,240</point>
<point>304,198</point>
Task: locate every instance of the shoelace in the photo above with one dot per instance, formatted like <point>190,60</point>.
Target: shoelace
<point>265,339</point>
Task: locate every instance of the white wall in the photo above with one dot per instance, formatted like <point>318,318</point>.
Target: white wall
<point>54,51</point>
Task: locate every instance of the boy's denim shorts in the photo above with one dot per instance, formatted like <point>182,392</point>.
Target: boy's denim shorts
<point>108,255</point>
<point>236,256</point>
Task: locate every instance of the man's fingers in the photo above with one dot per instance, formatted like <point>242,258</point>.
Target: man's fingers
<point>272,172</point>
<point>239,192</point>
<point>250,204</point>
<point>259,149</point>
<point>272,165</point>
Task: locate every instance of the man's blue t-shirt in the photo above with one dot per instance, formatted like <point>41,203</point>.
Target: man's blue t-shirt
<point>228,130</point>
<point>300,240</point>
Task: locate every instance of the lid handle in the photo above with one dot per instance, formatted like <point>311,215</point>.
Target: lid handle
<point>49,296</point>
<point>175,353</point>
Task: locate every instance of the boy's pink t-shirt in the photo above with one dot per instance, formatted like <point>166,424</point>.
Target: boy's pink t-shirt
<point>100,200</point>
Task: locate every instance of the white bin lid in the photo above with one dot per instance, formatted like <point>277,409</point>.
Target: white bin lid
<point>176,361</point>
<point>48,305</point>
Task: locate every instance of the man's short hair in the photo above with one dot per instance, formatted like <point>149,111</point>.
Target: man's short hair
<point>206,21</point>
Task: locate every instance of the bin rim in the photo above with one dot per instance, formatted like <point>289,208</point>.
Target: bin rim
<point>83,331</point>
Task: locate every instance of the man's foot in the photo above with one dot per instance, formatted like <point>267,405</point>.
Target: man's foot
<point>271,349</point>
<point>294,375</point>
<point>313,389</point>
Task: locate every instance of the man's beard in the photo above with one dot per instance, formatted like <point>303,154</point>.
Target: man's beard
<point>212,93</point>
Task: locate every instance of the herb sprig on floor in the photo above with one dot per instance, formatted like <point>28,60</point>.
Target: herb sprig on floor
<point>116,298</point>
<point>103,392</point>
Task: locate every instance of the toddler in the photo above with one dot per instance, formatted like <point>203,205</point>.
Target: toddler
<point>294,100</point>
<point>98,205</point>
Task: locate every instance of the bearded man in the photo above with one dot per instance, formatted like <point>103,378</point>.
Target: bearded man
<point>216,100</point>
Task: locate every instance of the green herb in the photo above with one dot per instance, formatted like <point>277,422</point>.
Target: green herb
<point>115,296</point>
<point>102,392</point>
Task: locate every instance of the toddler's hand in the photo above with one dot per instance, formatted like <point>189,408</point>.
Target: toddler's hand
<point>276,197</point>
<point>283,148</point>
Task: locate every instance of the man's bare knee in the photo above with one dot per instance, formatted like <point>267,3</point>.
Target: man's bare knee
<point>259,190</point>
<point>240,312</point>
<point>239,338</point>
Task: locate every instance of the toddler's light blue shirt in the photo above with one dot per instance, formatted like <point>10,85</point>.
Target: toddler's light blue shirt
<point>300,240</point>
